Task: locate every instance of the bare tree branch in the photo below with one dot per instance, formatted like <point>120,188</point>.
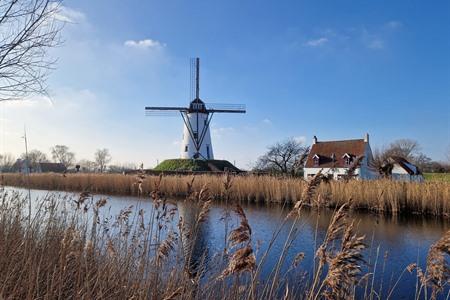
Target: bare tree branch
<point>28,29</point>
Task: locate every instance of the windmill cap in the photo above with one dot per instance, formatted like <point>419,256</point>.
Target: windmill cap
<point>197,105</point>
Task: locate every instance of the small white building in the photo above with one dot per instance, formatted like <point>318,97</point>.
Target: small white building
<point>402,170</point>
<point>335,158</point>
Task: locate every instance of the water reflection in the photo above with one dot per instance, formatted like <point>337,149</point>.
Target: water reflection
<point>195,236</point>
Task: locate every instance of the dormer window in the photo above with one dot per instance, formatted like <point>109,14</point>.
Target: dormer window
<point>316,159</point>
<point>348,159</point>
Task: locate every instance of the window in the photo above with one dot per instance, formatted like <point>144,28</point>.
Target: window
<point>348,159</point>
<point>186,148</point>
<point>195,135</point>
<point>316,161</point>
<point>207,151</point>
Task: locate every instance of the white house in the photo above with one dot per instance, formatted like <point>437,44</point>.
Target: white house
<point>402,170</point>
<point>335,158</point>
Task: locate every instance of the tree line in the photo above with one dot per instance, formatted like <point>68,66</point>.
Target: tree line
<point>63,155</point>
<point>289,156</point>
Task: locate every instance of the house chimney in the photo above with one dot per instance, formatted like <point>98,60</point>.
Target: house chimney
<point>314,140</point>
<point>366,138</point>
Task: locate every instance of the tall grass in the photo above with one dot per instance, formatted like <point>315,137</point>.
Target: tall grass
<point>381,196</point>
<point>71,250</point>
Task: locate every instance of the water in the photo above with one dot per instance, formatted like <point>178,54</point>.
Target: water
<point>394,242</point>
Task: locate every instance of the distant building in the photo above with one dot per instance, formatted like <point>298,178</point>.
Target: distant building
<point>335,158</point>
<point>398,168</point>
<point>23,166</point>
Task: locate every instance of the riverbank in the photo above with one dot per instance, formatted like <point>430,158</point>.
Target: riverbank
<point>381,196</point>
<point>100,249</point>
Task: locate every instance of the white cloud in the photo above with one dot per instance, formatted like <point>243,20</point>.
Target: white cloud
<point>317,42</point>
<point>300,139</point>
<point>376,44</point>
<point>393,24</point>
<point>219,132</point>
<point>67,14</point>
<point>144,44</point>
<point>267,121</point>
<point>372,41</point>
<point>63,117</point>
<point>30,102</point>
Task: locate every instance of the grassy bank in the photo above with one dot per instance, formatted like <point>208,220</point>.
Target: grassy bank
<point>381,196</point>
<point>74,251</point>
<point>444,177</point>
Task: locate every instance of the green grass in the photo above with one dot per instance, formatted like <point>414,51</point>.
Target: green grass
<point>445,177</point>
<point>194,165</point>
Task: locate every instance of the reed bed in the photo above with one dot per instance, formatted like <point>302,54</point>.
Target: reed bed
<point>72,249</point>
<point>382,196</point>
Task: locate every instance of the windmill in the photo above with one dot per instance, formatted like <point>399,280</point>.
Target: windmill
<point>197,118</point>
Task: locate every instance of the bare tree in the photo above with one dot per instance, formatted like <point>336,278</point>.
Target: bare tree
<point>61,154</point>
<point>285,157</point>
<point>6,162</point>
<point>405,148</point>
<point>28,29</point>
<point>102,158</point>
<point>86,166</point>
<point>35,157</point>
<point>422,161</point>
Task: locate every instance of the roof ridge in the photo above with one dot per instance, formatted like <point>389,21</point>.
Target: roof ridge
<point>349,140</point>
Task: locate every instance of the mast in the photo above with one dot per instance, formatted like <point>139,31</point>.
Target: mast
<point>197,78</point>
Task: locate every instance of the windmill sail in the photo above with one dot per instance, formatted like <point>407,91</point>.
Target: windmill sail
<point>196,117</point>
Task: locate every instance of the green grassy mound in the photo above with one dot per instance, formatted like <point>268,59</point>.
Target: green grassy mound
<point>195,165</point>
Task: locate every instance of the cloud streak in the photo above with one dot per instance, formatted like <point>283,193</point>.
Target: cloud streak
<point>67,14</point>
<point>316,42</point>
<point>144,44</point>
<point>393,24</point>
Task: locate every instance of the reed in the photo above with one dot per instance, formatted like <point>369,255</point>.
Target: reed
<point>381,196</point>
<point>72,248</point>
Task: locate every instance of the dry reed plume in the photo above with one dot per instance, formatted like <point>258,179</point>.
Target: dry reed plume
<point>381,196</point>
<point>437,273</point>
<point>243,259</point>
<point>77,250</point>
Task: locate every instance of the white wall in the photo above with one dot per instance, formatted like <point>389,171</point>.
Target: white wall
<point>400,174</point>
<point>308,172</point>
<point>206,147</point>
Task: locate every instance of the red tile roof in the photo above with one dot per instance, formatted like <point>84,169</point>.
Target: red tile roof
<point>325,151</point>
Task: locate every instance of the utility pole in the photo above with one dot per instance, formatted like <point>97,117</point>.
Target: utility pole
<point>26,150</point>
<point>27,173</point>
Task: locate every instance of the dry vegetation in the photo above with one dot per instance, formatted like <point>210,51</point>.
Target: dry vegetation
<point>75,251</point>
<point>379,196</point>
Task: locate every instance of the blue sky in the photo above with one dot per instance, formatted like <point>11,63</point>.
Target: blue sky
<point>335,69</point>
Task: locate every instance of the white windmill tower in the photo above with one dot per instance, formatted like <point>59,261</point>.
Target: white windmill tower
<point>197,118</point>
